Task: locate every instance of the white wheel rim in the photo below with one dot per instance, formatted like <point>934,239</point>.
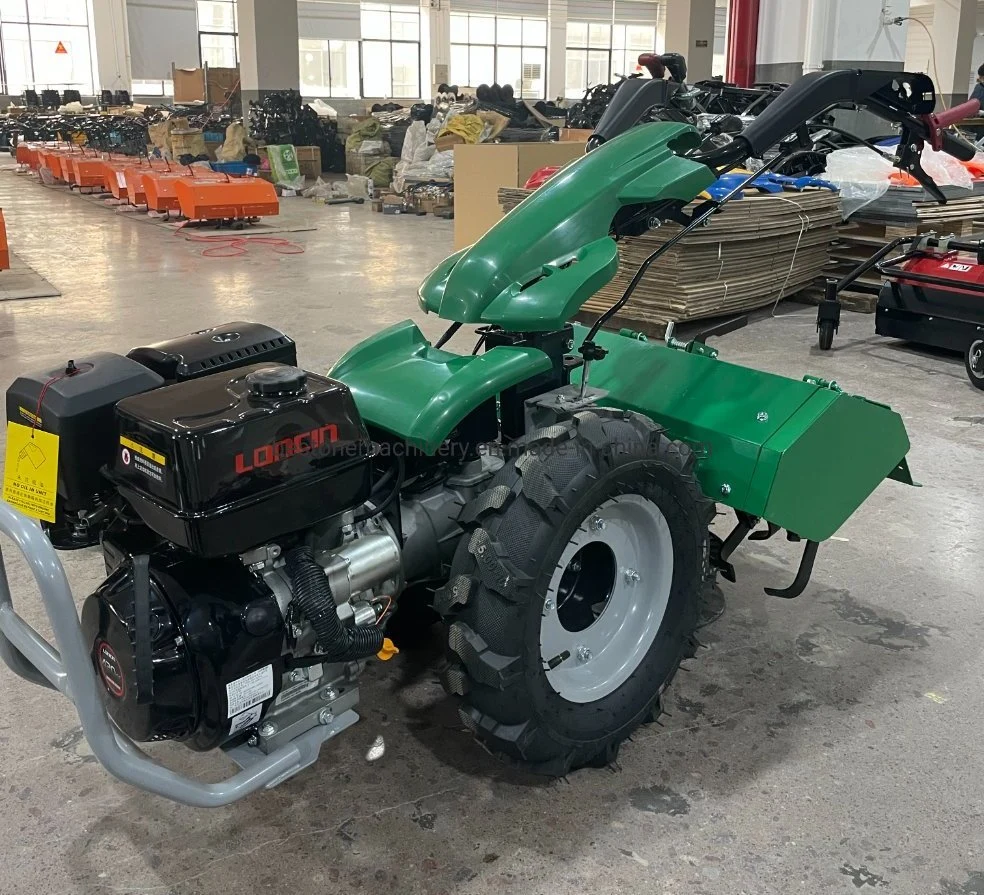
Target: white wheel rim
<point>602,656</point>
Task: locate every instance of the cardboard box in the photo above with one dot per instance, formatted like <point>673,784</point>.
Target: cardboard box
<point>189,84</point>
<point>448,141</point>
<point>309,160</point>
<point>575,134</point>
<point>479,172</point>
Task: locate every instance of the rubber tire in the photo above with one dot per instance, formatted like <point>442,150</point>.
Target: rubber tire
<point>975,380</point>
<point>515,531</point>
<point>825,329</point>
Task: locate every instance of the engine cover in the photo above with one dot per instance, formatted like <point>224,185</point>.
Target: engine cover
<point>217,635</point>
<point>227,462</point>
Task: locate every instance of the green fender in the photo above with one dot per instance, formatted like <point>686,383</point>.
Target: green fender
<point>534,269</point>
<point>420,393</point>
<point>800,453</point>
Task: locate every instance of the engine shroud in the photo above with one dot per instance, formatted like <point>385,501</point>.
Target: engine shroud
<point>213,624</point>
<point>223,463</point>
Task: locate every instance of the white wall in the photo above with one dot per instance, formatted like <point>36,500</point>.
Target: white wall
<point>781,36</point>
<point>860,35</point>
<point>161,32</point>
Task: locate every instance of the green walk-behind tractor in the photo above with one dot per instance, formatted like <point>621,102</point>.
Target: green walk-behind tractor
<point>551,489</point>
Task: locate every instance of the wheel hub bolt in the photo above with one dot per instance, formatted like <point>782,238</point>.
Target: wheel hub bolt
<point>583,654</point>
<point>548,606</point>
<point>632,576</point>
<point>598,524</point>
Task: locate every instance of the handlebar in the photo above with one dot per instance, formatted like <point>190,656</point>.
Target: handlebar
<point>958,113</point>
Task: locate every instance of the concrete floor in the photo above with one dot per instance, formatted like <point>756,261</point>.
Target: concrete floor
<point>829,744</point>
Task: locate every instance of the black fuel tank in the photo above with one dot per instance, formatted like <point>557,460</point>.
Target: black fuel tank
<point>227,462</point>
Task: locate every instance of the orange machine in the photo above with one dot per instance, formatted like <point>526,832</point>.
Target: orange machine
<point>88,171</point>
<point>228,199</point>
<point>134,176</point>
<point>114,176</point>
<point>4,251</point>
<point>51,158</point>
<point>27,155</point>
<point>159,184</point>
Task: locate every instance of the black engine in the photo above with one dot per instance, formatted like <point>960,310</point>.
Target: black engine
<point>222,483</point>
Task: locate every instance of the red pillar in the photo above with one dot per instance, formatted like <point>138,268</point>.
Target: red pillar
<point>743,19</point>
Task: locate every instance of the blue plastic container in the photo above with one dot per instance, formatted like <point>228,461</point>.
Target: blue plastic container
<point>234,169</point>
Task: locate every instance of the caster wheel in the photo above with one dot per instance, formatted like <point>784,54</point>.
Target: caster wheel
<point>825,328</point>
<point>974,361</point>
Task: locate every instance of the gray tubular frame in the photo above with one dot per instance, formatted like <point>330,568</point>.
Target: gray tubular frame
<point>69,670</point>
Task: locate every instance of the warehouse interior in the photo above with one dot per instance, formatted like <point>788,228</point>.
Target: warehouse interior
<point>528,446</point>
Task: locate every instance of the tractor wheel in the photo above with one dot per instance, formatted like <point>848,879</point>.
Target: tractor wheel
<point>574,592</point>
<point>974,361</point>
<point>826,331</point>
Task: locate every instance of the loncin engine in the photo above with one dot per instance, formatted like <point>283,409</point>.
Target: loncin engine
<point>253,533</point>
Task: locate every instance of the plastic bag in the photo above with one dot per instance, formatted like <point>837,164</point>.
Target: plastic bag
<point>468,127</point>
<point>416,152</point>
<point>323,189</point>
<point>946,170</point>
<point>359,187</point>
<point>862,175</point>
<point>371,147</point>
<point>284,167</point>
<point>368,130</point>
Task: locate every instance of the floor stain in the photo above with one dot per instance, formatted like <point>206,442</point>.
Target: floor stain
<point>825,643</point>
<point>973,420</point>
<point>659,800</point>
<point>690,706</point>
<point>69,743</point>
<point>423,819</point>
<point>862,876</point>
<point>973,886</point>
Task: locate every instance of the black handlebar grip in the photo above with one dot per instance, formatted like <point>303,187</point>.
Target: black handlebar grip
<point>957,146</point>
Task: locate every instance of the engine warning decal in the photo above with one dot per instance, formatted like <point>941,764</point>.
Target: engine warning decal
<point>30,416</point>
<point>246,719</point>
<point>30,473</point>
<point>143,451</point>
<point>245,692</point>
<point>142,459</point>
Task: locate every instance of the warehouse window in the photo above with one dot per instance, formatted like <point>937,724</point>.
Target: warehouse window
<point>218,33</point>
<point>390,51</point>
<point>152,88</point>
<point>44,44</point>
<point>500,49</point>
<point>329,68</point>
<point>598,53</point>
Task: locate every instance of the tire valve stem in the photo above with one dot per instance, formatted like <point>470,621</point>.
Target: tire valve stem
<point>558,660</point>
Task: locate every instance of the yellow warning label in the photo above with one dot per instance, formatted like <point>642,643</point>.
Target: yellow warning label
<point>32,418</point>
<point>138,448</point>
<point>30,475</point>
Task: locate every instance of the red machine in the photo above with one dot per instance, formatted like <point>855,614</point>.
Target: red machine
<point>239,199</point>
<point>933,295</point>
<point>4,251</point>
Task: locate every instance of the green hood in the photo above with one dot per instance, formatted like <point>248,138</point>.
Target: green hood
<point>536,267</point>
